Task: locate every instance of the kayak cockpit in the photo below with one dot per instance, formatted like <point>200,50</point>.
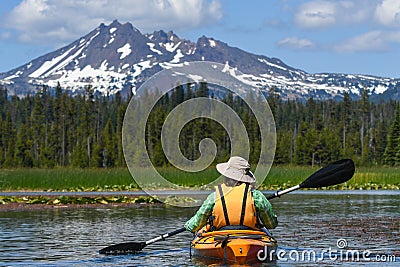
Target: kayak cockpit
<point>235,246</point>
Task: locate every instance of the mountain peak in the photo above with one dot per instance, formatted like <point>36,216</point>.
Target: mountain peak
<point>125,26</point>
<point>115,23</point>
<point>117,57</point>
<point>164,37</point>
<point>205,41</point>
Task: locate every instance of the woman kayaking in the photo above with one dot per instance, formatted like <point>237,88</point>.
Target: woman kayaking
<point>236,204</point>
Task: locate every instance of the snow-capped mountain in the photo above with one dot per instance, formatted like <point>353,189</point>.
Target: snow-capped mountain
<point>118,57</point>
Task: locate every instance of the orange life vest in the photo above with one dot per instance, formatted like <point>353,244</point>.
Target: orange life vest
<point>235,207</point>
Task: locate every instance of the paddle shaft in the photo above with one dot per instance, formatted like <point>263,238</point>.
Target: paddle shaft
<point>162,237</point>
<point>283,192</point>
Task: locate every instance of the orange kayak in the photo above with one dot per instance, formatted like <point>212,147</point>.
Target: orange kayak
<point>235,246</point>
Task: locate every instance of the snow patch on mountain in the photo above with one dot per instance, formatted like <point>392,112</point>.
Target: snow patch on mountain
<point>49,64</point>
<point>16,75</point>
<point>99,78</point>
<point>151,46</point>
<point>125,51</point>
<point>171,47</point>
<point>140,67</point>
<point>169,65</point>
<point>177,56</point>
<point>229,69</point>
<point>197,78</point>
<point>271,64</point>
<point>212,43</point>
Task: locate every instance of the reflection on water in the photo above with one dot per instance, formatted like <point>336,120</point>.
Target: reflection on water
<point>72,237</point>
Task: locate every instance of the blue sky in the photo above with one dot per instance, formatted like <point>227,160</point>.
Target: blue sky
<point>344,36</point>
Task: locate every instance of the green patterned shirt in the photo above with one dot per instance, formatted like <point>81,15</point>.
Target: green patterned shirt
<point>263,208</point>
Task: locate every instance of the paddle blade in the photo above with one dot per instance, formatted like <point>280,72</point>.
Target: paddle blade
<point>123,248</point>
<point>335,173</point>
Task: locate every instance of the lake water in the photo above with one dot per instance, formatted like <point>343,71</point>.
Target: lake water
<point>313,220</point>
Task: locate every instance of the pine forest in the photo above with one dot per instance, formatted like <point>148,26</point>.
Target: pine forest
<point>57,129</point>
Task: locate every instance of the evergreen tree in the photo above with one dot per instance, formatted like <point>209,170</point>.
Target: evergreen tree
<point>97,159</point>
<point>302,152</point>
<point>120,118</point>
<point>38,126</point>
<point>23,153</point>
<point>89,121</point>
<point>2,148</point>
<point>346,117</point>
<point>79,156</point>
<point>393,140</point>
<point>58,127</point>
<point>177,96</point>
<point>364,110</point>
<point>189,93</point>
<point>283,148</point>
<point>109,151</point>
<point>203,90</point>
<point>3,101</point>
<point>274,101</point>
<point>9,136</point>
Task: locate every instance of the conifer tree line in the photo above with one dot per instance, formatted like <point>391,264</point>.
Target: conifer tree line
<point>56,130</point>
<point>48,130</point>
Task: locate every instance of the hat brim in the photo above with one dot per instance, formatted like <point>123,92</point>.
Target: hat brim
<point>234,174</point>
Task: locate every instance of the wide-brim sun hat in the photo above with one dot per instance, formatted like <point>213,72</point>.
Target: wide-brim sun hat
<point>237,168</point>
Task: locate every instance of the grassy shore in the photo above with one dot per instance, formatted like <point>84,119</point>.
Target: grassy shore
<point>367,178</point>
<point>117,179</point>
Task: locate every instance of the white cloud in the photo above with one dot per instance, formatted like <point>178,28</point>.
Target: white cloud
<point>322,14</point>
<point>393,36</point>
<point>388,13</point>
<point>58,21</point>
<point>316,14</point>
<point>5,35</point>
<point>371,22</point>
<point>296,43</point>
<point>374,41</point>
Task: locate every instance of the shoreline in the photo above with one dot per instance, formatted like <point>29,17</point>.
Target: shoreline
<point>188,192</point>
<point>41,200</point>
<point>32,207</point>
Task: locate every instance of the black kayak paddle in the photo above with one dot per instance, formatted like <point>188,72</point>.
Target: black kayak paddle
<point>134,247</point>
<point>335,173</point>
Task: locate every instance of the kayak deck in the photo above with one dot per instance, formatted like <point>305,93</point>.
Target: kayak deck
<point>235,246</point>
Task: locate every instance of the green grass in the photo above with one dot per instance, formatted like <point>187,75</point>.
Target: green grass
<point>66,179</point>
<point>115,179</point>
<point>70,179</point>
<point>374,178</point>
<point>282,177</point>
<point>194,179</point>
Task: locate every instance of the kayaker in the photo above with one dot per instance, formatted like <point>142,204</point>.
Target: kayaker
<point>241,205</point>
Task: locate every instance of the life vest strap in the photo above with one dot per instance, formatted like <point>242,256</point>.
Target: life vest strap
<point>221,194</point>
<point>243,213</point>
